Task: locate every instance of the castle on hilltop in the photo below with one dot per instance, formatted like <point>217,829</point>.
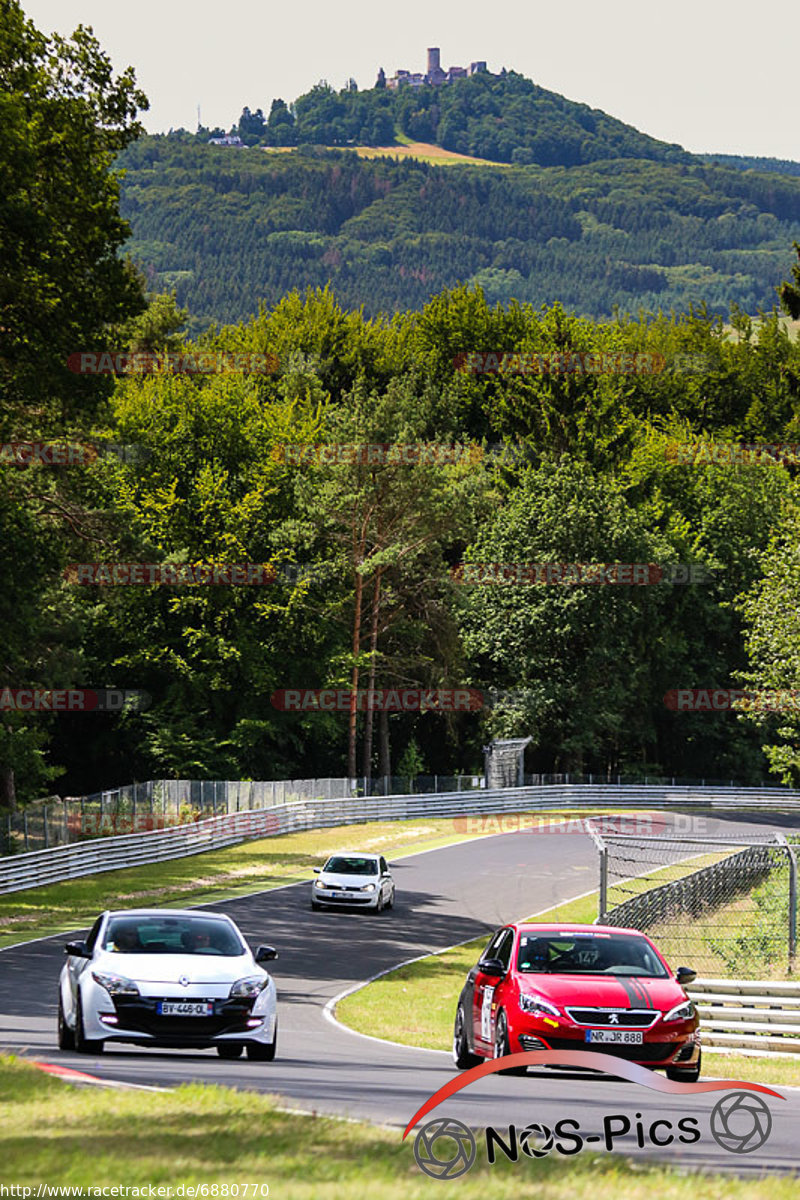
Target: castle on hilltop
<point>434,75</point>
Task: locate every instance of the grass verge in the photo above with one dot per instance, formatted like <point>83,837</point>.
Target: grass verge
<point>225,874</point>
<point>415,1005</point>
<point>59,1136</point>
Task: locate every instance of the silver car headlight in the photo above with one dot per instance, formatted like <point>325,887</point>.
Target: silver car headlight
<point>537,1006</point>
<point>249,987</point>
<point>681,1012</point>
<point>116,985</point>
<point>320,883</point>
<point>368,887</point>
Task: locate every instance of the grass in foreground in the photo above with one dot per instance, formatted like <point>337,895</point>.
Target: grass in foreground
<point>57,1135</point>
<point>416,1005</point>
<point>223,874</point>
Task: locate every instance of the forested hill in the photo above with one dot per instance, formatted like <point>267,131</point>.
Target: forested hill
<point>228,227</point>
<point>744,162</point>
<point>505,118</point>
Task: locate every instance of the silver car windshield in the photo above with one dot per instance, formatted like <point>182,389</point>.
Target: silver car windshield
<point>172,935</point>
<point>339,865</point>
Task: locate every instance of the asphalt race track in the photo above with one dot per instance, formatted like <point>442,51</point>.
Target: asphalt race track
<point>443,897</point>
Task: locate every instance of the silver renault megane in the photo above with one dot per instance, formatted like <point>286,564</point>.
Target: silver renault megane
<point>167,977</point>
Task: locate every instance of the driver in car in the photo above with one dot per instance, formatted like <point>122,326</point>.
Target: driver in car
<point>126,940</point>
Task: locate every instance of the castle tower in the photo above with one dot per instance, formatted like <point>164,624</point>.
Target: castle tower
<point>434,66</point>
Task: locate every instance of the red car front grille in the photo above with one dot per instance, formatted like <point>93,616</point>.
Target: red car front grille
<point>614,1018</point>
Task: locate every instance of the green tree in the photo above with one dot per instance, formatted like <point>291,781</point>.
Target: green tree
<point>63,119</point>
<point>790,292</point>
<point>390,514</point>
<point>772,611</point>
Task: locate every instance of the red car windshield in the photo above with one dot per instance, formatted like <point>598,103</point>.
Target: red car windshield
<point>587,954</point>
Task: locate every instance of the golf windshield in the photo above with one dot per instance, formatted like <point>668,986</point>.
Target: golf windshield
<point>339,865</point>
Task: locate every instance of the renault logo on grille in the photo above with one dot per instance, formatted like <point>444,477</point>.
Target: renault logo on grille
<point>613,1019</point>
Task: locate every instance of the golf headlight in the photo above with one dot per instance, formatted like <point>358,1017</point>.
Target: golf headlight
<point>368,887</point>
<point>537,1006</point>
<point>249,988</point>
<point>681,1012</point>
<point>320,883</point>
<point>116,985</point>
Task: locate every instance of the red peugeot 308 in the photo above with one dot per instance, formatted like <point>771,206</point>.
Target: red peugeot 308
<point>577,987</point>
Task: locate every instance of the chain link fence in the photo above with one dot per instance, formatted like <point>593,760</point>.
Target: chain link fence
<point>726,908</point>
<point>160,804</point>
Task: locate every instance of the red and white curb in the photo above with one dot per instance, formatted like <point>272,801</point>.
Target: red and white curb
<point>68,1075</point>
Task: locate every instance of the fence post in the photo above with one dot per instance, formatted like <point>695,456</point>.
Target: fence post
<point>45,827</point>
<point>25,826</point>
<point>792,900</point>
<point>602,851</point>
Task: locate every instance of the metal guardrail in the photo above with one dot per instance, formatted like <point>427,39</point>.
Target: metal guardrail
<point>748,1014</point>
<point>158,803</point>
<point>35,868</point>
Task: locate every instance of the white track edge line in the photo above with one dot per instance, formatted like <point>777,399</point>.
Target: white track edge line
<point>329,1010</point>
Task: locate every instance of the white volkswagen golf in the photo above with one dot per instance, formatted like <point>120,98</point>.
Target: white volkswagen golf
<point>353,878</point>
<point>167,977</point>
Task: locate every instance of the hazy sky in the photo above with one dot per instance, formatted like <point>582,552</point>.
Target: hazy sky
<point>709,74</point>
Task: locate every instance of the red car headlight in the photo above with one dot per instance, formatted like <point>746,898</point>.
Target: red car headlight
<point>536,1005</point>
<point>681,1012</point>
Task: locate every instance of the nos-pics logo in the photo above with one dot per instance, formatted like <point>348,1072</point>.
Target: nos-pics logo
<point>444,1148</point>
